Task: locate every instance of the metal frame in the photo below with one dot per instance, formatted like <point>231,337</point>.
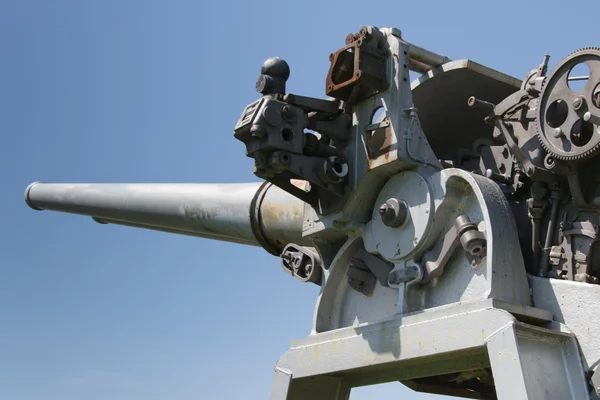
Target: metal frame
<point>433,307</point>
<point>527,361</point>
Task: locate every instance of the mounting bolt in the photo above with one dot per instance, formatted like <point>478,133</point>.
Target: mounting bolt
<point>578,102</point>
<point>589,117</point>
<point>288,114</point>
<point>410,272</point>
<point>393,212</point>
<point>308,268</point>
<point>558,133</point>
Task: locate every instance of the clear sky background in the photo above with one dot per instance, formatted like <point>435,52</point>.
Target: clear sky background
<point>149,91</point>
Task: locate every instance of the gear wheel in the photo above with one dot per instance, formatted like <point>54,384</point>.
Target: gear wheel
<point>562,130</point>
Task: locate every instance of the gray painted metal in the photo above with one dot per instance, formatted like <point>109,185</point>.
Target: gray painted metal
<point>426,57</point>
<point>458,80</point>
<point>480,315</point>
<point>528,362</point>
<point>212,211</point>
<point>449,193</point>
<point>576,305</point>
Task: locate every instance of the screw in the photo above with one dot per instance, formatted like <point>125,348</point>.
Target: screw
<point>558,133</point>
<point>589,117</point>
<point>578,102</point>
<point>308,269</point>
<point>288,114</point>
<point>394,278</point>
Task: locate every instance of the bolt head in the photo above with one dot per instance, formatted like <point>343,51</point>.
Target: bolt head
<point>308,268</point>
<point>578,102</point>
<point>558,133</point>
<point>393,212</point>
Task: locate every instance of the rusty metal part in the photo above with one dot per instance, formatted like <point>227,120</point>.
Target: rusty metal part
<point>358,70</point>
<point>380,139</point>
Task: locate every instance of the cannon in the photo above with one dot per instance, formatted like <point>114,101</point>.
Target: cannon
<point>450,221</point>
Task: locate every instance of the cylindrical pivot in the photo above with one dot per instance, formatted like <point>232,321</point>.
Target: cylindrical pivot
<point>424,56</point>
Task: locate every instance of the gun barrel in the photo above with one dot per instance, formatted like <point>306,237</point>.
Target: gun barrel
<point>257,214</point>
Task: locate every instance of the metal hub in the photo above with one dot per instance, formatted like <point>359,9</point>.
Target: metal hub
<point>563,128</point>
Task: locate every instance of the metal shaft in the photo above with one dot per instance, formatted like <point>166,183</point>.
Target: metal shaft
<point>425,57</point>
<point>257,214</point>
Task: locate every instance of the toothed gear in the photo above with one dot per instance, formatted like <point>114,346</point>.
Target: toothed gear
<point>561,128</point>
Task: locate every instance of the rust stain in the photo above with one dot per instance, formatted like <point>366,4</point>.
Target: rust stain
<point>277,212</point>
<point>380,145</point>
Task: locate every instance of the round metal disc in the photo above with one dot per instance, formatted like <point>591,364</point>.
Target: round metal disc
<point>397,243</point>
<point>562,129</point>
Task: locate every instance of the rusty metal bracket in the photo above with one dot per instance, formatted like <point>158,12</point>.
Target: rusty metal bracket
<point>358,70</point>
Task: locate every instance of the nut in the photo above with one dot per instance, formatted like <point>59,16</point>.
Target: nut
<point>393,212</point>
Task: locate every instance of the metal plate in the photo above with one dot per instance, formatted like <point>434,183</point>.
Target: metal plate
<point>441,96</point>
<point>395,244</point>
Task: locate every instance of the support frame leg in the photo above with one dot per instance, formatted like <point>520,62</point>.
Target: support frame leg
<point>310,388</point>
<point>526,361</point>
<point>532,363</point>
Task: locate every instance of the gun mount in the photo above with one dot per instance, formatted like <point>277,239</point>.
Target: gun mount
<point>451,221</point>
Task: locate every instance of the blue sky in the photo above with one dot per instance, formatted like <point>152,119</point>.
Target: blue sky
<point>149,91</point>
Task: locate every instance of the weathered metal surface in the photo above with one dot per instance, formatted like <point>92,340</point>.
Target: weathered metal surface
<point>212,211</point>
<point>441,97</point>
<point>358,70</point>
<point>576,305</point>
<point>442,342</point>
<point>563,129</point>
<point>420,214</point>
<point>499,273</point>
